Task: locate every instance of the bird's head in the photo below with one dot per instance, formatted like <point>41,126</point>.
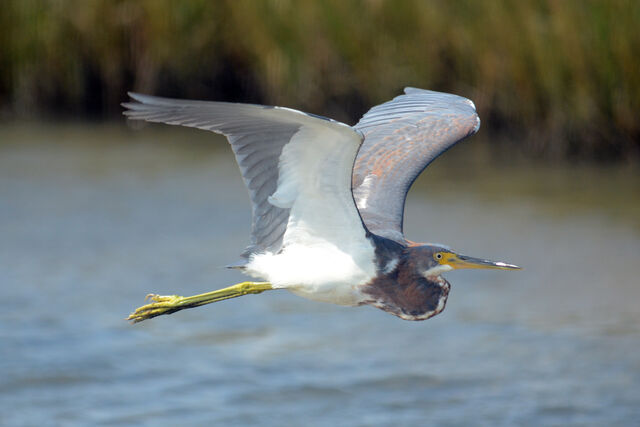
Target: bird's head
<point>432,260</point>
<point>413,289</point>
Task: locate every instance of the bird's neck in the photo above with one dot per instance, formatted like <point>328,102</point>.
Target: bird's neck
<point>399,290</point>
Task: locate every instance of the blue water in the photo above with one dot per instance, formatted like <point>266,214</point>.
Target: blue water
<point>93,219</point>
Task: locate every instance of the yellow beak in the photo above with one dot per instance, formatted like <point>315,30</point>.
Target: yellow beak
<point>462,261</point>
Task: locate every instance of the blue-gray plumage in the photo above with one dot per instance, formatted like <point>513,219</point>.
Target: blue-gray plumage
<point>257,135</point>
<point>401,137</point>
<point>328,199</point>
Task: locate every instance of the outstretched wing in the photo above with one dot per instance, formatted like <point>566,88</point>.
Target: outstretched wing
<point>290,162</point>
<point>401,137</point>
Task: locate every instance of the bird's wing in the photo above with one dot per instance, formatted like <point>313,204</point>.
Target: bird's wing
<point>401,137</point>
<point>291,162</point>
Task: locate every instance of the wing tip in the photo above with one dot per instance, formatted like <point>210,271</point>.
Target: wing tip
<point>141,98</point>
<point>142,104</point>
<point>158,101</point>
<point>129,108</point>
<point>476,128</point>
<point>139,102</point>
<point>410,90</point>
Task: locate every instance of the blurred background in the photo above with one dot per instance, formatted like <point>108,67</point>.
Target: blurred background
<point>95,213</point>
<point>563,76</point>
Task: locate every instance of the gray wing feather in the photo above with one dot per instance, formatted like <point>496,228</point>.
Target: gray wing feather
<point>401,137</point>
<point>257,135</point>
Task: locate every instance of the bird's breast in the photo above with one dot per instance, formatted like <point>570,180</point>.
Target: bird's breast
<point>408,297</point>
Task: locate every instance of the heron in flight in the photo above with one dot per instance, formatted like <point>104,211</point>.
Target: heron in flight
<point>328,199</point>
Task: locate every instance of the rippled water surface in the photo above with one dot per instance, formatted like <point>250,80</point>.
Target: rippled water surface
<point>94,218</point>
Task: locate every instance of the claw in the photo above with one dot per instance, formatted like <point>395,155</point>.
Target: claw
<point>162,304</point>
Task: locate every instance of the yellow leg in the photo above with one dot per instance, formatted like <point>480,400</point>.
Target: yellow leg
<point>167,304</point>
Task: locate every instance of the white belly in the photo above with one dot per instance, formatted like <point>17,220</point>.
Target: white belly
<point>321,272</point>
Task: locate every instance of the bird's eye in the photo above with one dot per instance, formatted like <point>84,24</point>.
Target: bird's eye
<point>438,255</point>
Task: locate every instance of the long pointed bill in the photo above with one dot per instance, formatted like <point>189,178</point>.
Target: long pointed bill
<point>463,261</point>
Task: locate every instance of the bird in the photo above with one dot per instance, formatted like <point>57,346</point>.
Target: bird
<point>328,199</point>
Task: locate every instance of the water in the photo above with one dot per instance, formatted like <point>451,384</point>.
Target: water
<point>94,218</point>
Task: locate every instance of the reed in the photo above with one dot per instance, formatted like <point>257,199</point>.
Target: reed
<point>560,77</point>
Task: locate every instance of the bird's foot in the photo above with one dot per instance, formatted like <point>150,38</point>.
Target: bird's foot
<point>167,304</point>
<point>161,304</point>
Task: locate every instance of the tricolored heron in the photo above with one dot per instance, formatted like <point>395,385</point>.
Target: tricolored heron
<point>328,199</point>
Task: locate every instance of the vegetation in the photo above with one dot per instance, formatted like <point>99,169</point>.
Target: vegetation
<point>561,76</point>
